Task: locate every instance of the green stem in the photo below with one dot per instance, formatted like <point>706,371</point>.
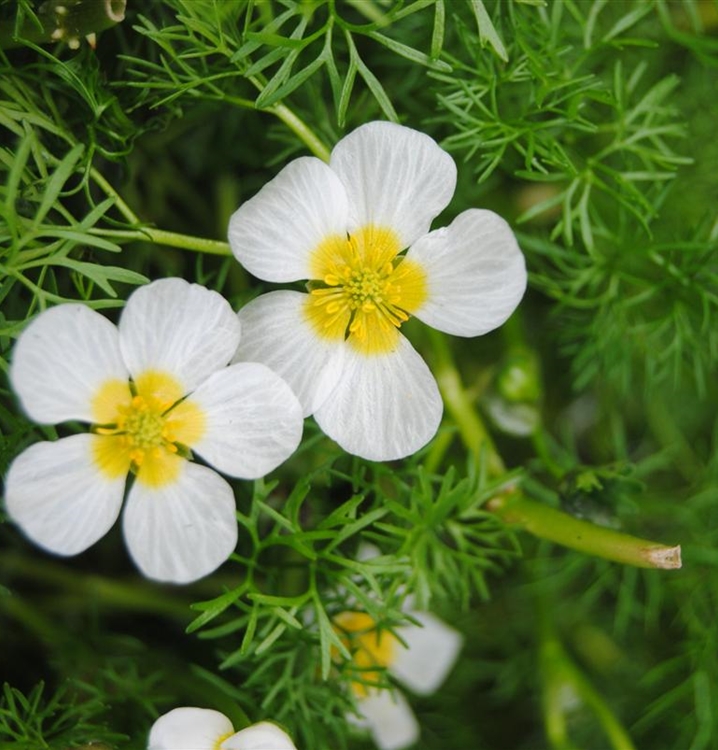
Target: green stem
<point>292,121</point>
<point>559,673</point>
<point>555,526</point>
<point>162,237</point>
<point>188,242</point>
<point>296,125</point>
<point>461,408</point>
<point>150,234</point>
<point>110,192</point>
<point>302,130</point>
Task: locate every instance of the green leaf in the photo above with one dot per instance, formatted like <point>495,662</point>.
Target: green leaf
<point>487,31</point>
<point>268,97</point>
<point>372,82</point>
<point>57,181</point>
<point>437,34</point>
<point>76,237</point>
<point>215,607</point>
<point>102,275</point>
<point>15,176</point>
<point>346,91</point>
<point>410,53</point>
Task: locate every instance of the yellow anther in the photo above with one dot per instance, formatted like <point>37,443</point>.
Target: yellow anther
<point>146,428</point>
<point>370,289</point>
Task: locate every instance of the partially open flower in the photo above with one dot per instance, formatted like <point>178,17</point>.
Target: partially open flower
<point>154,389</point>
<point>203,729</point>
<point>346,226</point>
<point>418,656</point>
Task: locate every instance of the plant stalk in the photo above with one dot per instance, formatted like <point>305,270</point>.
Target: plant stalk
<point>461,407</point>
<point>162,237</point>
<point>561,528</point>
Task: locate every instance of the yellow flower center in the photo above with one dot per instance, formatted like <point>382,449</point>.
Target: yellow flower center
<point>366,290</point>
<point>372,649</point>
<point>143,429</point>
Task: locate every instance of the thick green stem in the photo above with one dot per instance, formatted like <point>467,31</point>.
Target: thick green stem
<point>461,407</point>
<point>555,526</point>
<point>173,239</point>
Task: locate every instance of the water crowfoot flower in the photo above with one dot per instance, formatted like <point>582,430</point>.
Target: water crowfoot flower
<point>419,656</point>
<point>358,229</point>
<point>155,388</point>
<point>205,729</point>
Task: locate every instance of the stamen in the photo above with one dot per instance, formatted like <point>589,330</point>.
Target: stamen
<point>370,289</point>
<point>152,423</point>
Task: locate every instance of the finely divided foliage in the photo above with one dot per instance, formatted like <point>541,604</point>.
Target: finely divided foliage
<point>589,127</point>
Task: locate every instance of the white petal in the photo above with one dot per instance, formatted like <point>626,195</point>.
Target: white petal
<point>389,718</point>
<point>384,407</point>
<point>275,333</point>
<point>254,421</point>
<point>430,653</point>
<point>395,177</point>
<point>262,736</point>
<point>178,328</point>
<point>475,271</point>
<point>184,530</point>
<point>189,729</point>
<point>273,233</point>
<point>60,361</point>
<point>57,496</point>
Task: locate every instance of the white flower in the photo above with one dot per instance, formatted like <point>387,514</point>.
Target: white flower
<point>344,226</point>
<point>418,656</point>
<point>204,729</point>
<point>153,388</point>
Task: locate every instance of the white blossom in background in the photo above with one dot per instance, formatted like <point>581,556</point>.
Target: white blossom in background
<point>344,226</point>
<point>204,729</point>
<point>154,389</point>
<point>419,656</point>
